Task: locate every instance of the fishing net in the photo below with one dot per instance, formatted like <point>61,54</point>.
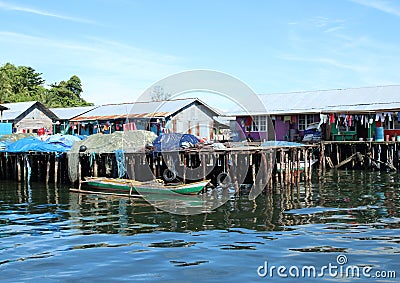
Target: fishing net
<point>129,141</point>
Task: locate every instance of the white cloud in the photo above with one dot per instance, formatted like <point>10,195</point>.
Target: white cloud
<point>26,39</point>
<point>109,70</point>
<point>381,5</point>
<point>10,7</point>
<point>327,61</point>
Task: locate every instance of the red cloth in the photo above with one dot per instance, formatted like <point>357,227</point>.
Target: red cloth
<point>130,126</point>
<point>248,121</point>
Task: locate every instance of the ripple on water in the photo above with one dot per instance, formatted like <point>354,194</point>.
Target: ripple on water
<point>97,238</point>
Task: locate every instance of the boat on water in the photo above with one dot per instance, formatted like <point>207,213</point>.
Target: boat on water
<point>133,187</point>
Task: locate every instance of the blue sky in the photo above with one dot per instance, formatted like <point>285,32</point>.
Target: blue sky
<point>119,48</point>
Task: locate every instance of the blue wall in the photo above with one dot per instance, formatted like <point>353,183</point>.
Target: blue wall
<point>5,128</point>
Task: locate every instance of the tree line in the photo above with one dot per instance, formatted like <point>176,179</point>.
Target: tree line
<point>22,83</point>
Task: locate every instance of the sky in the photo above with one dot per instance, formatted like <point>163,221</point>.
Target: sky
<point>118,48</point>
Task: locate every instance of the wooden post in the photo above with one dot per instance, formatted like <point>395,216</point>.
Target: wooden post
<point>184,168</point>
<point>305,157</point>
<point>281,164</point>
<point>235,177</point>
<point>337,154</point>
<point>2,166</point>
<point>25,168</point>
<point>321,158</point>
<point>298,167</point>
<point>154,168</point>
<point>310,167</point>
<point>79,170</point>
<point>253,170</point>
<point>132,165</point>
<point>266,164</point>
<point>272,156</point>
<point>291,164</point>
<point>48,168</point>
<point>287,167</point>
<point>56,161</point>
<point>19,172</point>
<point>13,165</point>
<point>95,166</point>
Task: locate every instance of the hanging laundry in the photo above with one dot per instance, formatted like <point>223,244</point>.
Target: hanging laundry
<point>398,117</point>
<point>332,118</point>
<point>389,117</point>
<point>322,118</point>
<point>248,121</point>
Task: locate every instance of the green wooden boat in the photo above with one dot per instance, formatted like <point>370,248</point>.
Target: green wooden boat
<point>151,187</point>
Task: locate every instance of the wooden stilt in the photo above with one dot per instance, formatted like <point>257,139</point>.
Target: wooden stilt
<point>25,168</point>
<point>95,166</point>
<point>79,171</point>
<point>56,161</point>
<point>19,172</point>
<point>47,173</point>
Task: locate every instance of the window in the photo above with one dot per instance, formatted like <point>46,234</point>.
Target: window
<point>394,124</point>
<point>259,124</point>
<point>305,120</point>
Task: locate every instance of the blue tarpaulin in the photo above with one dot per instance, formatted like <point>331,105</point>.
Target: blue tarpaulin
<point>174,141</point>
<point>34,144</point>
<point>64,140</point>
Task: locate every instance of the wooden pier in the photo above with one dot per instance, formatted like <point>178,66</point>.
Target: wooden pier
<point>234,166</point>
<point>360,155</point>
<point>47,167</point>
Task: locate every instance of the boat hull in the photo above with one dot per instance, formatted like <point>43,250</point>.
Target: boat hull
<point>131,186</point>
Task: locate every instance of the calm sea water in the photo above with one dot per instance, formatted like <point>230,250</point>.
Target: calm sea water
<point>350,220</point>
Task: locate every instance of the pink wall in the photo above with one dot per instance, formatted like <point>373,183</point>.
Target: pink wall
<point>281,127</point>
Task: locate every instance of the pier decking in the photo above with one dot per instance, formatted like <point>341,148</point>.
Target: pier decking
<point>265,166</point>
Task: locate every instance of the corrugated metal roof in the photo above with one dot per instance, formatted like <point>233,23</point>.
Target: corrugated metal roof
<point>351,100</point>
<point>71,112</point>
<point>16,109</point>
<point>135,110</point>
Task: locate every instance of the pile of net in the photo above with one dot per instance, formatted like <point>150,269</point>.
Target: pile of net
<point>130,141</point>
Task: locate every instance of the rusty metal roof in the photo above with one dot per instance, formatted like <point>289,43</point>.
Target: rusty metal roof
<point>153,109</point>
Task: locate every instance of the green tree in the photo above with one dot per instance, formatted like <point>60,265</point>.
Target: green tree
<point>67,94</point>
<point>23,83</point>
<point>20,83</point>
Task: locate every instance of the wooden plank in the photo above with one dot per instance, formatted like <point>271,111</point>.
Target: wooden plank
<point>347,160</point>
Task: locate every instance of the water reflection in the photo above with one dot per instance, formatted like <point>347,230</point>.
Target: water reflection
<point>342,197</point>
<point>78,236</point>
